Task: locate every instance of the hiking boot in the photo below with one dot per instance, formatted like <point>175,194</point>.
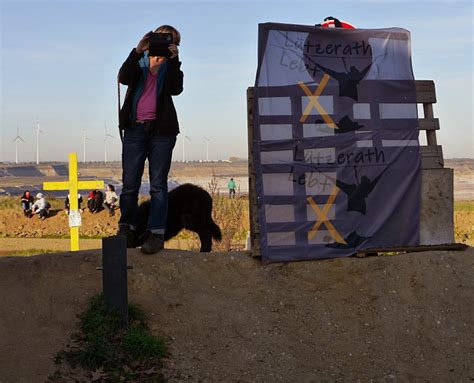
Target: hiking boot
<point>125,231</point>
<point>153,244</point>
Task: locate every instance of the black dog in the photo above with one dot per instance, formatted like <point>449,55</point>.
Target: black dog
<point>189,207</point>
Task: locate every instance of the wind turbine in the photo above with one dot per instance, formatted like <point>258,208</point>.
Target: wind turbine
<point>84,139</point>
<point>184,140</point>
<point>15,140</point>
<point>38,132</point>
<point>105,143</point>
<point>207,148</point>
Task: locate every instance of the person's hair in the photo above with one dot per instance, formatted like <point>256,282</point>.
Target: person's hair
<point>111,187</point>
<point>169,29</point>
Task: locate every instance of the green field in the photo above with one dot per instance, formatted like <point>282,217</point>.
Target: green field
<point>464,206</point>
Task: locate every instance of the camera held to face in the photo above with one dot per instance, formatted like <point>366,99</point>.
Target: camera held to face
<point>159,44</point>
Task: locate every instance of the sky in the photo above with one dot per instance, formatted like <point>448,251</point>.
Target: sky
<point>59,64</point>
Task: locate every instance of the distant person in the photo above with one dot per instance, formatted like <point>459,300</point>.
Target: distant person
<point>99,200</point>
<point>111,200</point>
<point>91,201</point>
<point>150,125</point>
<point>41,206</point>
<point>231,186</point>
<point>94,201</point>
<point>67,206</point>
<point>27,203</point>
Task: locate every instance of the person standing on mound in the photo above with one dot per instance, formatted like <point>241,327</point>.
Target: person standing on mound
<point>150,125</point>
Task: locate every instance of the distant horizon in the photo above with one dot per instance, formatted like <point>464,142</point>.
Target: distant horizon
<point>237,159</point>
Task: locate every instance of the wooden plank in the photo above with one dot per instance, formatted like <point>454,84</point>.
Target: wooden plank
<point>431,157</point>
<point>425,91</point>
<point>412,249</point>
<point>254,226</point>
<point>428,123</point>
<point>430,134</point>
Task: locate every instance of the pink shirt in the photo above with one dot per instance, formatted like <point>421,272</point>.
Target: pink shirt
<point>146,108</point>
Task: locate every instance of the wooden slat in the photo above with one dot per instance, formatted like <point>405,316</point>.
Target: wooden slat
<point>254,226</point>
<point>431,157</point>
<point>428,123</point>
<point>430,134</point>
<point>425,91</point>
<point>411,249</point>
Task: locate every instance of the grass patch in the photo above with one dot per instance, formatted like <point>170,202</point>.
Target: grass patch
<point>463,205</point>
<point>9,202</point>
<point>110,352</point>
<point>27,253</point>
<point>67,236</point>
<point>54,236</point>
<point>232,215</point>
<point>141,344</point>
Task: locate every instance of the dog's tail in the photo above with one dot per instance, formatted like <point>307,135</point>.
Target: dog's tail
<point>215,231</point>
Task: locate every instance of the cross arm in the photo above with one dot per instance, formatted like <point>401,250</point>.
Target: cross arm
<point>64,185</point>
<point>90,185</point>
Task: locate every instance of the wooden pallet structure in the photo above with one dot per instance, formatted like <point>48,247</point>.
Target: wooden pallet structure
<point>437,204</point>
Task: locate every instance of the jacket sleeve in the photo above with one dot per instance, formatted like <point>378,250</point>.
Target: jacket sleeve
<point>175,76</point>
<point>129,68</point>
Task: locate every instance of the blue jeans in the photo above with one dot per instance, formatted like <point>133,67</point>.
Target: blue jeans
<point>139,144</point>
<point>26,205</point>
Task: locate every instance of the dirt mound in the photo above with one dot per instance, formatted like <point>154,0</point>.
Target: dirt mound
<point>229,318</point>
<point>13,223</point>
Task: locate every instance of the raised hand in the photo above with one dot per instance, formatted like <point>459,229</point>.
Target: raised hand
<point>143,44</point>
<point>174,50</point>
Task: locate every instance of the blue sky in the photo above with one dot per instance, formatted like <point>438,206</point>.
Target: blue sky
<point>59,62</point>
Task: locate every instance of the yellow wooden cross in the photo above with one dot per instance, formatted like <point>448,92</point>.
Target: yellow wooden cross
<point>323,217</point>
<point>314,103</point>
<point>73,185</point>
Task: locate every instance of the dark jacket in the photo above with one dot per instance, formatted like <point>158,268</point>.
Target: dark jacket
<point>166,121</point>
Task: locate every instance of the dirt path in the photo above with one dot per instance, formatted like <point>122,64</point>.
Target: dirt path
<point>24,233</point>
<point>229,318</point>
<point>14,224</point>
<point>9,245</point>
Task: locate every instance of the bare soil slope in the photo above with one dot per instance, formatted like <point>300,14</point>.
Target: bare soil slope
<point>229,318</point>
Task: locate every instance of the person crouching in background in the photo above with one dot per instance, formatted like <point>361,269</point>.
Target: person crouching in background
<point>111,199</point>
<point>95,200</point>
<point>91,201</point>
<point>26,203</point>
<point>67,205</point>
<point>41,206</point>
